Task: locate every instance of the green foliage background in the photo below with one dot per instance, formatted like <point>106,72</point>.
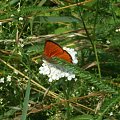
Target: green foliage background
<point>91,27</point>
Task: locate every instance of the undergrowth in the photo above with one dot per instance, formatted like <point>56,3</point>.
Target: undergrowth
<point>92,28</point>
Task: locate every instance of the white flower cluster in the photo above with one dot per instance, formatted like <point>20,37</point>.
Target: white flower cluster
<point>9,78</point>
<point>55,72</point>
<point>117,30</point>
<point>2,80</point>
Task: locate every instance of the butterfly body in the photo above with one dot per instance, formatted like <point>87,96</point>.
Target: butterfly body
<point>52,49</point>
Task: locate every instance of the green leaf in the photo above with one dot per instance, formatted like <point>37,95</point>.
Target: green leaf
<point>26,101</point>
<point>60,30</point>
<point>83,117</point>
<point>12,2</point>
<point>43,19</point>
<point>7,114</point>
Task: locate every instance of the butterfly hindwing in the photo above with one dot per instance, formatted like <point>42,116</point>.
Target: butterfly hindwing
<point>66,56</point>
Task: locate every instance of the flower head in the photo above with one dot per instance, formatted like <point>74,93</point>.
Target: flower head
<point>20,18</point>
<point>55,72</point>
<point>9,78</point>
<point>2,80</point>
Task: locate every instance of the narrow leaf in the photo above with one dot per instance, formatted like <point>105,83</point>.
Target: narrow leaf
<point>26,101</point>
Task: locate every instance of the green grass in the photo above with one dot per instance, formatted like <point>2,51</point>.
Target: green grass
<point>91,28</point>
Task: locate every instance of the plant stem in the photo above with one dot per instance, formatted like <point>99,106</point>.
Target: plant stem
<point>93,43</point>
<point>67,94</point>
<point>98,64</point>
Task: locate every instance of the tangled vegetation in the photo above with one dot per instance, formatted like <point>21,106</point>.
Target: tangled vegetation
<point>90,27</point>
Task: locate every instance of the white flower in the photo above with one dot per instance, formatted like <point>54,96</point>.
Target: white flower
<point>20,18</point>
<point>2,80</point>
<point>19,53</point>
<point>0,23</point>
<point>108,42</point>
<point>16,72</point>
<point>8,78</point>
<point>116,106</point>
<point>26,70</point>
<point>75,79</point>
<point>14,92</point>
<point>55,72</point>
<point>111,113</point>
<point>1,100</point>
<point>92,87</point>
<point>12,15</point>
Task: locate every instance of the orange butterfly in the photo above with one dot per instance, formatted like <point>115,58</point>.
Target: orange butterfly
<point>52,49</point>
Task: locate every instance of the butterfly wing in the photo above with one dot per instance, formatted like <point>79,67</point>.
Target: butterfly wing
<point>52,49</point>
<point>66,56</point>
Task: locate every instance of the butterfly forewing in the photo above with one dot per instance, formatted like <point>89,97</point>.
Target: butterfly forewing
<point>52,49</point>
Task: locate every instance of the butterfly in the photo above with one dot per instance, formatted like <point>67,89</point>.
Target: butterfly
<point>52,49</point>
